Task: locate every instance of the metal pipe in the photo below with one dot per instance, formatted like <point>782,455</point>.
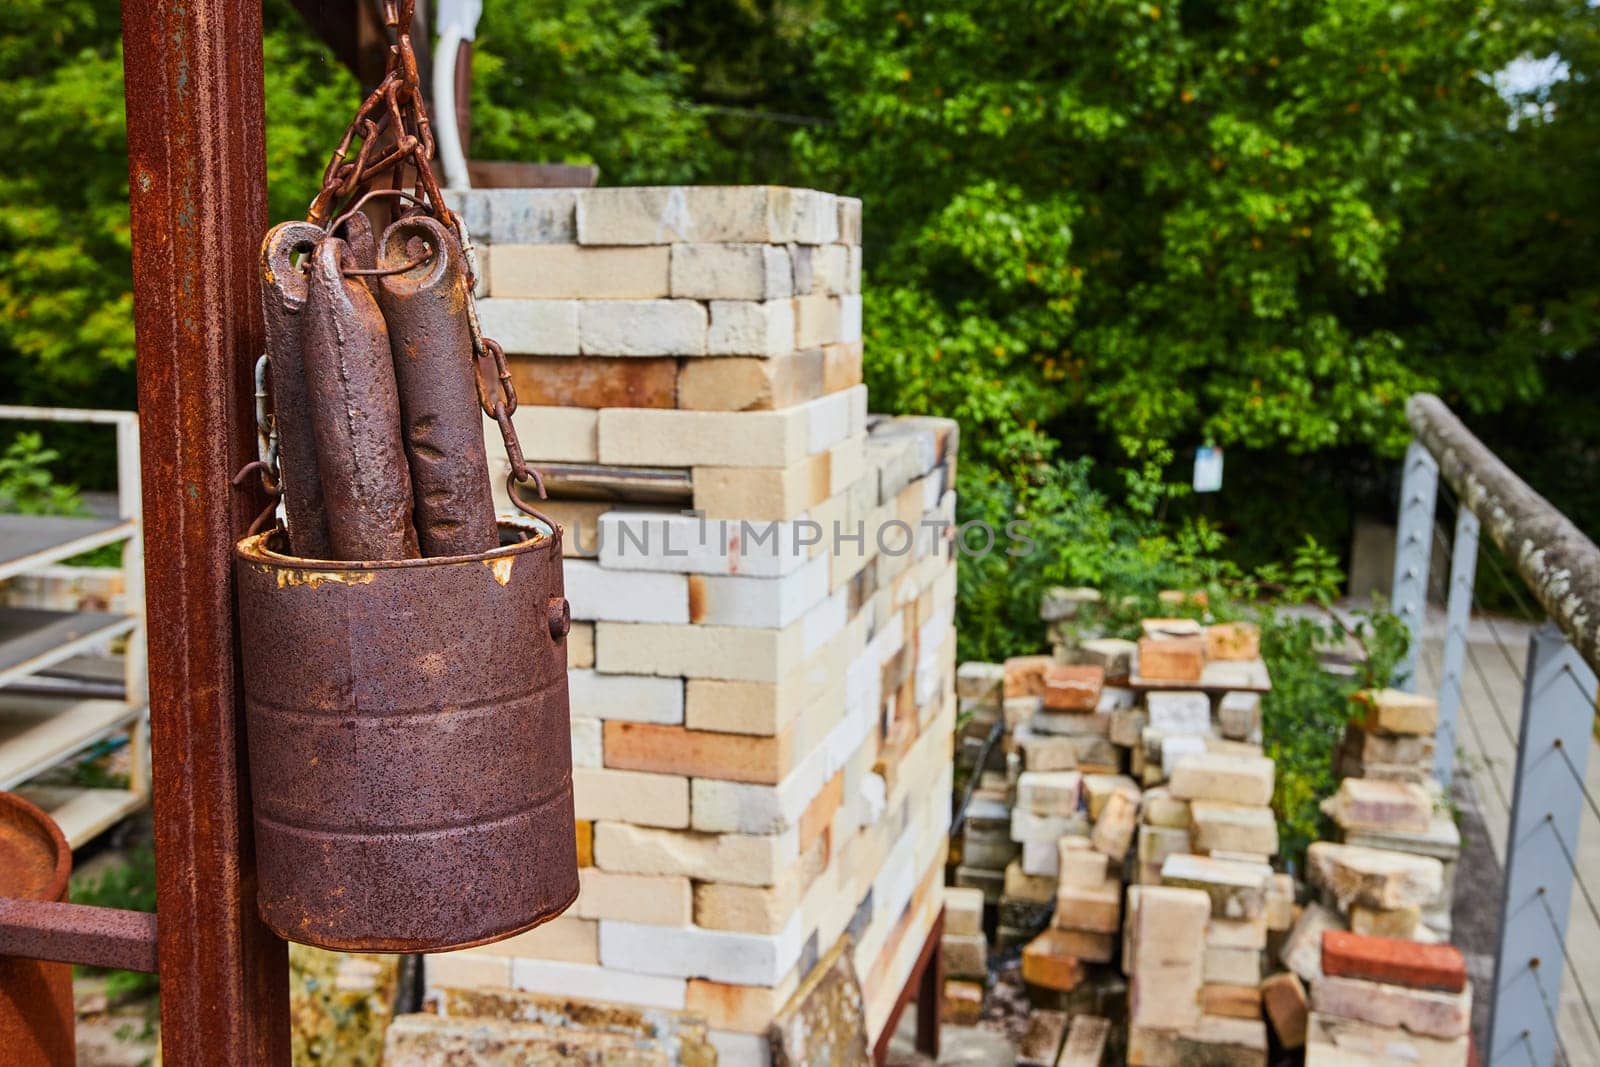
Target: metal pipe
<point>1560,566</point>
<point>197,185</point>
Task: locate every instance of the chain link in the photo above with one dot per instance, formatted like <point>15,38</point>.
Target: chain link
<point>395,111</point>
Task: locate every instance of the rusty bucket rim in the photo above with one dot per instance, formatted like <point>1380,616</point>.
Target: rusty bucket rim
<point>48,828</point>
<point>535,537</point>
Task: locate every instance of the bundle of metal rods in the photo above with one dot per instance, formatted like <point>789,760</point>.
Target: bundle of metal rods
<point>375,405</point>
<point>374,440</point>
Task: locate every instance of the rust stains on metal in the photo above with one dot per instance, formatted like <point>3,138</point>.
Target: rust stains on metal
<point>410,752</point>
<point>283,301</point>
<point>36,1017</point>
<point>355,413</point>
<point>425,307</point>
<point>197,175</point>
<point>286,576</point>
<point>77,933</point>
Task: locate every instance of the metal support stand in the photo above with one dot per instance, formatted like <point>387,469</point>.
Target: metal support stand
<point>197,184</point>
<point>1413,550</point>
<point>1541,847</point>
<point>1463,568</point>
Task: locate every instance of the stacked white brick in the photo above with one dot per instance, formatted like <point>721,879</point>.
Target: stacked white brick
<point>763,693</point>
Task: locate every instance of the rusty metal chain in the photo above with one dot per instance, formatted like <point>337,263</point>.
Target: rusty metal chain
<point>395,112</point>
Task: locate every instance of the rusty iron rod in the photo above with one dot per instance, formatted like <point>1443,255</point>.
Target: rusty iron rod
<point>197,186</point>
<point>78,933</point>
<point>1560,565</point>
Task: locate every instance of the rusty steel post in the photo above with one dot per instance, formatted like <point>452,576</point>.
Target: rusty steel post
<point>196,168</point>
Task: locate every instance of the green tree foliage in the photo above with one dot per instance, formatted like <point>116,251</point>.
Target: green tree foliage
<point>585,82</point>
<point>66,295</point>
<point>1168,222</point>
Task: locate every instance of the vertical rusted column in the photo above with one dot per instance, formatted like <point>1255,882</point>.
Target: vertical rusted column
<point>196,165</point>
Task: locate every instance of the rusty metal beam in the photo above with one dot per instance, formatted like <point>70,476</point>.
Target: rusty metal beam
<point>78,933</point>
<point>196,167</point>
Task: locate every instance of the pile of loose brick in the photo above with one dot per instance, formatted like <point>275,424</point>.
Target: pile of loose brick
<point>1123,833</point>
<point>762,680</point>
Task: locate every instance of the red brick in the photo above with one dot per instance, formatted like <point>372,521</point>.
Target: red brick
<point>595,382</point>
<point>1073,688</point>
<point>1385,959</point>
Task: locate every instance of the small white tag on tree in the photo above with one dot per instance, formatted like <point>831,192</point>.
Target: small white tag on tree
<point>1207,469</point>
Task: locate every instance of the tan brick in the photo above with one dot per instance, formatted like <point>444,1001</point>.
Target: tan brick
<point>849,220</point>
<point>703,438</point>
<point>568,939</point>
<point>1178,659</point>
<point>746,909</point>
<point>1097,909</point>
<point>762,708</point>
<point>674,750</point>
<point>1233,1001</point>
<point>1168,931</point>
<point>1079,863</point>
<point>580,524</point>
<point>1284,998</point>
<point>736,383</point>
<point>1113,830</point>
<point>739,859</point>
<point>729,271</point>
<point>580,645</point>
<point>1232,966</point>
<point>1233,641</point>
<point>648,215</point>
<point>561,435</point>
<point>727,652</point>
<point>584,831</point>
<point>627,796</point>
<point>743,1009</point>
<point>775,493</point>
<point>817,321</point>
<point>556,272</point>
<point>841,366</point>
<point>1218,827</point>
<point>1213,776</point>
<point>963,910</point>
<point>636,898</point>
<point>1397,712</point>
<point>595,381</point>
<point>469,968</point>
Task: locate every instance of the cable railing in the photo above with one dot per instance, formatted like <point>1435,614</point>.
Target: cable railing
<point>1551,574</point>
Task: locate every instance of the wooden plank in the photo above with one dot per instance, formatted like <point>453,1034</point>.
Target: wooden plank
<point>36,733</point>
<point>84,814</point>
<point>32,639</point>
<point>28,542</point>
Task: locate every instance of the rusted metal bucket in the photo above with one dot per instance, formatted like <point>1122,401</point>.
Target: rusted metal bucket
<point>410,754</point>
<point>36,1017</point>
